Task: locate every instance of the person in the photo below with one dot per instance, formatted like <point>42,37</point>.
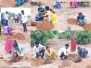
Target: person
<point>50,15</point>
<point>38,17</point>
<point>82,52</point>
<point>3,20</point>
<point>7,30</point>
<point>17,51</point>
<point>50,53</point>
<point>63,53</point>
<point>73,42</point>
<point>9,45</point>
<point>24,20</point>
<point>38,50</point>
<point>12,19</point>
<point>6,16</point>
<point>81,19</point>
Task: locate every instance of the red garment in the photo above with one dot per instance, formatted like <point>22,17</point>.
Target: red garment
<point>9,45</point>
<point>73,42</point>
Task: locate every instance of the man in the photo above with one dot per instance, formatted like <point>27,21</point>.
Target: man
<point>81,19</point>
<point>3,20</point>
<point>38,50</point>
<point>6,18</point>
<point>63,53</point>
<point>24,20</point>
<point>82,52</point>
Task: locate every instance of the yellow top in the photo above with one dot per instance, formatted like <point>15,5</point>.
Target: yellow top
<point>51,16</point>
<point>51,53</point>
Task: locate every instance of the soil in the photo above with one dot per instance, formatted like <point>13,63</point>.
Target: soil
<point>33,23</point>
<point>88,66</point>
<point>44,25</point>
<point>18,36</point>
<point>72,56</point>
<point>74,22</point>
<point>12,3</point>
<point>64,64</point>
<point>36,62</point>
<point>7,37</point>
<point>87,26</point>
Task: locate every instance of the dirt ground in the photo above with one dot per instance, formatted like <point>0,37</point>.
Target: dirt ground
<point>58,63</point>
<point>23,39</point>
<point>12,3</point>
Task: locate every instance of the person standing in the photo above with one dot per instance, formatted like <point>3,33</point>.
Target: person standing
<point>73,42</point>
<point>24,20</point>
<point>6,18</point>
<point>2,20</point>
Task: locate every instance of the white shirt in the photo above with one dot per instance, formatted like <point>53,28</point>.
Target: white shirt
<point>63,50</point>
<point>37,49</point>
<point>6,16</point>
<point>49,16</point>
<point>24,18</point>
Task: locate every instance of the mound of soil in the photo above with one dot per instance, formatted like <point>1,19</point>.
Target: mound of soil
<point>6,37</point>
<point>87,26</point>
<point>36,62</point>
<point>72,21</point>
<point>33,23</point>
<point>18,36</point>
<point>44,25</point>
<point>72,56</point>
<point>88,66</point>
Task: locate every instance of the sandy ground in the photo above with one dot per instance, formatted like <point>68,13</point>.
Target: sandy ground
<point>25,62</point>
<point>57,44</point>
<point>12,3</point>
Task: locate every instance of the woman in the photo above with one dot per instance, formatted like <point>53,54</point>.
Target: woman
<point>50,52</point>
<point>17,51</point>
<point>50,15</point>
<point>7,30</point>
<point>73,42</point>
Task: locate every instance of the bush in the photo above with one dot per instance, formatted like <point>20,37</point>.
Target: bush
<point>83,37</point>
<point>55,32</point>
<point>42,36</point>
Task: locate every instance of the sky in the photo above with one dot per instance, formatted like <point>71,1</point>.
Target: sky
<point>17,10</point>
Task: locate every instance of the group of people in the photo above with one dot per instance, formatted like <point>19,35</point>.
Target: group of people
<point>8,29</point>
<point>47,52</point>
<point>46,13</point>
<point>15,49</point>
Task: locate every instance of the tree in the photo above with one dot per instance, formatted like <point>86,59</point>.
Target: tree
<point>41,36</point>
